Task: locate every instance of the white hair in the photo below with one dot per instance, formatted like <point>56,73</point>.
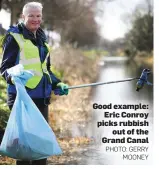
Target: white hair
<point>36,5</point>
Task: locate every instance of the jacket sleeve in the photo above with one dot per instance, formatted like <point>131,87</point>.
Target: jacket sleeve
<point>54,79</point>
<point>9,56</point>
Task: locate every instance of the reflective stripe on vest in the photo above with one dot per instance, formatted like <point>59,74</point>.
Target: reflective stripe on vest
<point>29,58</point>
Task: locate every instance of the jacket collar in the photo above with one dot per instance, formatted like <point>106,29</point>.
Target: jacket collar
<point>40,35</point>
<point>21,28</point>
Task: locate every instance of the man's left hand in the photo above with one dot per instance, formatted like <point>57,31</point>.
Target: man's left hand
<point>62,89</point>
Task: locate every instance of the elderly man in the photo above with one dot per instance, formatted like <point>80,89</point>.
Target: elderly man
<point>26,44</point>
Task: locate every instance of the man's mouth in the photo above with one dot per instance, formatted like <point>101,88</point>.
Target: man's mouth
<point>35,23</point>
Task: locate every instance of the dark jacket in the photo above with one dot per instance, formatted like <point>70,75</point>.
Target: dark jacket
<point>11,56</point>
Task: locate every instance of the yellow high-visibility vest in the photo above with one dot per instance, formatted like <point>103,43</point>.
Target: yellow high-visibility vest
<point>29,58</point>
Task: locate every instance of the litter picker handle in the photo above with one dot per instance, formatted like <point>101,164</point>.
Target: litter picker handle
<point>101,83</point>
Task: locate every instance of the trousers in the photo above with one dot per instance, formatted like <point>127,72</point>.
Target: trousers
<point>44,110</point>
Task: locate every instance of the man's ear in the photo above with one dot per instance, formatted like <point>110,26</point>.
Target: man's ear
<point>23,17</point>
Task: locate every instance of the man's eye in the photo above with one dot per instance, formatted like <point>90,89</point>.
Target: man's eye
<point>38,16</point>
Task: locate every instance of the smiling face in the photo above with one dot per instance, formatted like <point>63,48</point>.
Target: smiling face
<point>33,19</point>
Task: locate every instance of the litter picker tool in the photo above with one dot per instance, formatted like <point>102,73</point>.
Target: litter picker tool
<point>139,85</point>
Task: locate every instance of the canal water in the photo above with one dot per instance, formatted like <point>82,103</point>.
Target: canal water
<point>124,93</point>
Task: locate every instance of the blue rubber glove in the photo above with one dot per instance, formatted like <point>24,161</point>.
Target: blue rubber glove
<point>61,89</point>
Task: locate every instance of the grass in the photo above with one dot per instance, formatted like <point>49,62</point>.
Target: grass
<point>4,110</point>
<point>143,58</point>
<point>92,54</point>
<point>0,44</point>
